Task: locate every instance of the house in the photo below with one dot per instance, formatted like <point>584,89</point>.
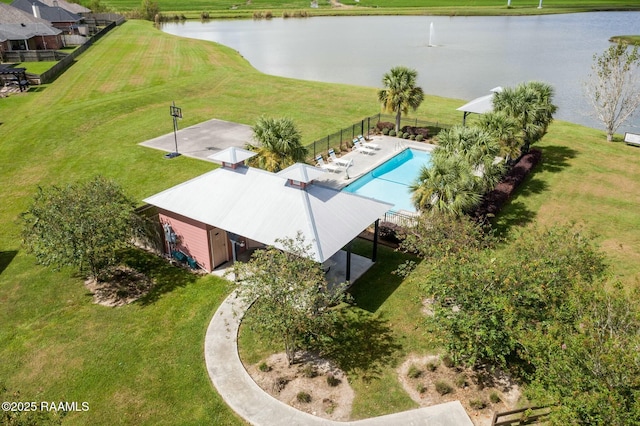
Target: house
<point>23,31</point>
<point>76,8</point>
<point>69,23</point>
<point>235,207</point>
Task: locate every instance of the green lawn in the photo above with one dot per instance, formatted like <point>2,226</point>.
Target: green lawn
<point>143,364</point>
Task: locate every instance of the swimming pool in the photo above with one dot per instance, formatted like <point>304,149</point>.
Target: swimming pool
<point>390,181</point>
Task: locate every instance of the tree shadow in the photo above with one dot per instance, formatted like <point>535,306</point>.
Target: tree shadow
<point>375,286</point>
<point>6,257</point>
<point>166,277</point>
<point>361,344</point>
<point>555,158</point>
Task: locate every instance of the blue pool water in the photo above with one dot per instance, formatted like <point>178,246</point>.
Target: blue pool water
<point>390,181</point>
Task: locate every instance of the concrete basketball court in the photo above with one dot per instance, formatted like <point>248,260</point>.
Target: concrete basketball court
<point>203,139</point>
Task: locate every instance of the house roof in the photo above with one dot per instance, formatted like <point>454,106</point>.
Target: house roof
<point>482,104</point>
<point>13,15</point>
<point>232,155</point>
<point>68,6</point>
<point>301,173</point>
<point>264,207</point>
<point>50,14</point>
<point>26,31</point>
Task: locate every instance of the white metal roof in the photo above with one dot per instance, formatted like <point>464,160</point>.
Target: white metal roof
<point>482,104</point>
<point>262,206</point>
<point>232,155</point>
<point>301,173</point>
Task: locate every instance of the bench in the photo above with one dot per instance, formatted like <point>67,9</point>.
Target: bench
<point>183,258</point>
<point>632,139</point>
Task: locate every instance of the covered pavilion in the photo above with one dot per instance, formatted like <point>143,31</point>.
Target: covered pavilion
<point>479,105</point>
<point>220,214</point>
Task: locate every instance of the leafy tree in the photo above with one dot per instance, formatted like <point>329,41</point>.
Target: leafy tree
<point>82,225</point>
<point>400,92</point>
<point>279,144</point>
<point>149,9</point>
<point>491,302</point>
<point>589,371</point>
<point>613,87</point>
<point>530,104</point>
<point>291,295</point>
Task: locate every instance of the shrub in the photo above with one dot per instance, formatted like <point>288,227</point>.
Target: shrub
<point>414,372</point>
<point>419,138</point>
<point>432,366</point>
<point>477,404</point>
<point>385,131</point>
<point>279,384</point>
<point>460,380</point>
<point>332,380</point>
<point>264,367</point>
<point>448,361</point>
<point>257,15</point>
<point>494,397</point>
<point>385,125</point>
<point>405,136</point>
<point>421,388</point>
<point>390,232</point>
<point>493,201</point>
<point>309,371</point>
<point>443,388</point>
<point>412,137</point>
<point>204,15</point>
<point>268,14</point>
<point>303,397</point>
<point>392,132</point>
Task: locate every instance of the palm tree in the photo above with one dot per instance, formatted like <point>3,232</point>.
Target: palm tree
<point>505,130</point>
<point>530,105</point>
<point>448,186</point>
<point>400,92</point>
<point>279,144</point>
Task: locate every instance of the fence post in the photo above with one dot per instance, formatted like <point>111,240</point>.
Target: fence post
<point>328,141</point>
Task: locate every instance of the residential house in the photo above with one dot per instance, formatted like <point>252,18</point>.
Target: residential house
<point>67,22</point>
<point>23,31</point>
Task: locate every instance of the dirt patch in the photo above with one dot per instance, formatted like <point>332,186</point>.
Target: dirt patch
<point>119,286</point>
<point>292,384</point>
<point>482,393</point>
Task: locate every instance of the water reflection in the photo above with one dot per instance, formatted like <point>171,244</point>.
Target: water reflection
<point>473,54</point>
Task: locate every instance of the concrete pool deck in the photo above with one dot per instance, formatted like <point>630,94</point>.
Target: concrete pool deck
<point>389,146</point>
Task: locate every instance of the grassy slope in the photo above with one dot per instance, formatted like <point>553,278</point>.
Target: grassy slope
<point>143,363</point>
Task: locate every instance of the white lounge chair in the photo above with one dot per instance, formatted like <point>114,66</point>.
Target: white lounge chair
<point>330,167</point>
<point>366,144</point>
<point>363,149</point>
<point>337,161</point>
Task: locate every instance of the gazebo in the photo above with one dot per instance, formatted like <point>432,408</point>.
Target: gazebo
<point>479,105</point>
<point>236,207</point>
<point>15,75</point>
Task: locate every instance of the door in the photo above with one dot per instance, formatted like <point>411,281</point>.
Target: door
<point>218,243</point>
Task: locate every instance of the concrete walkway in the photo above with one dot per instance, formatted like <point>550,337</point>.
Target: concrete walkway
<point>257,407</point>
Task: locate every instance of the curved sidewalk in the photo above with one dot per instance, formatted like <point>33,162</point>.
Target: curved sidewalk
<point>257,407</point>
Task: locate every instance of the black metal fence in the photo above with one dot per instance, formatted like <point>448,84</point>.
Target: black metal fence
<point>342,139</point>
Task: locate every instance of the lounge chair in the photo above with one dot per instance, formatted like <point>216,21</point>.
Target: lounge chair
<point>330,167</point>
<point>366,144</point>
<point>363,149</point>
<point>340,162</point>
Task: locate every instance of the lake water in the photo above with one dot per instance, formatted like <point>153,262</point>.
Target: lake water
<point>471,55</point>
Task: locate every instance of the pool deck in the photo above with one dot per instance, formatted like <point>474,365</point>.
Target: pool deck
<point>362,163</point>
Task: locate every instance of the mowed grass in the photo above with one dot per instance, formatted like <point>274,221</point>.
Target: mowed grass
<point>143,364</point>
<point>364,6</point>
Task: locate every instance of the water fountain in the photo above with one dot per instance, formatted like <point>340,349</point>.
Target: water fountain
<point>431,35</point>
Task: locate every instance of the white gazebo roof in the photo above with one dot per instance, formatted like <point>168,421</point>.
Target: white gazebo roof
<point>264,207</point>
<point>232,155</point>
<point>301,173</point>
<point>480,105</point>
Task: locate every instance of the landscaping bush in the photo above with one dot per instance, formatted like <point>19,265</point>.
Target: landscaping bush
<point>461,380</point>
<point>264,367</point>
<point>432,366</point>
<point>493,201</point>
<point>412,137</point>
<point>443,388</point>
<point>303,397</point>
<point>332,380</point>
<point>392,132</point>
<point>405,136</point>
<point>419,138</point>
<point>414,372</point>
<point>477,404</point>
<point>385,131</point>
<point>309,371</point>
<point>390,232</point>
<point>494,397</point>
<point>385,125</point>
<point>421,388</point>
<point>448,361</point>
<point>279,384</point>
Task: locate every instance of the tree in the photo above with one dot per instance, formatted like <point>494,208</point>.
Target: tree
<point>612,87</point>
<point>291,295</point>
<point>80,225</point>
<point>400,92</point>
<point>279,144</point>
<point>149,9</point>
<point>530,104</point>
<point>505,130</point>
